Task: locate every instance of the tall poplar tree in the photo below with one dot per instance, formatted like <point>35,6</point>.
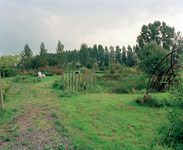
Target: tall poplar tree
<point>111,49</point>
<point>42,58</point>
<point>83,54</point>
<point>26,56</point>
<point>106,57</point>
<point>118,54</point>
<point>124,59</point>
<point>61,56</point>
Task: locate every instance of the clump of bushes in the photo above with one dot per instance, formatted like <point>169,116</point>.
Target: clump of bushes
<point>6,89</point>
<point>25,79</point>
<point>116,83</point>
<point>53,70</point>
<point>85,70</point>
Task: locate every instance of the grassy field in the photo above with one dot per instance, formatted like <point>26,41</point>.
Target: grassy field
<point>89,121</point>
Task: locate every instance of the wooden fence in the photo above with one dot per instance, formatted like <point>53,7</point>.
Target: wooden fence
<point>79,82</point>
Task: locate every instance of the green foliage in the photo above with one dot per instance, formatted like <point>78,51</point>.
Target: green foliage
<point>116,83</point>
<point>150,55</point>
<point>7,63</point>
<point>83,54</point>
<point>6,86</point>
<point>61,56</point>
<point>159,32</point>
<point>26,56</point>
<point>25,79</point>
<point>171,131</point>
<point>85,70</point>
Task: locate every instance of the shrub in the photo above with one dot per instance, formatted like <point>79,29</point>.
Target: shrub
<point>85,70</point>
<point>25,79</point>
<point>48,74</point>
<point>113,70</point>
<point>59,72</point>
<point>5,89</point>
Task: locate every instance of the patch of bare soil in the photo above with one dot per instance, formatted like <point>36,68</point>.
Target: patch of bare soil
<point>35,130</point>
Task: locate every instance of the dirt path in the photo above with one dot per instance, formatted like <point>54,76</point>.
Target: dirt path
<point>33,129</point>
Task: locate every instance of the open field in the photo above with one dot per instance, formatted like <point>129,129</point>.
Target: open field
<point>36,116</point>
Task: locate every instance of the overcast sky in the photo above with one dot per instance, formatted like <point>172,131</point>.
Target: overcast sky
<point>73,22</point>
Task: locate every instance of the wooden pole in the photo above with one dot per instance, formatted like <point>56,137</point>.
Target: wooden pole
<point>90,81</point>
<point>82,83</point>
<point>75,81</point>
<point>69,80</point>
<point>66,81</point>
<point>1,94</point>
<point>86,81</point>
<point>63,82</point>
<point>94,81</point>
<point>79,82</point>
<point>72,81</point>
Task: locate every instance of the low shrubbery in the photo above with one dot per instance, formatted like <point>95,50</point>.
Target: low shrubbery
<point>9,72</point>
<point>5,89</point>
<point>117,83</point>
<point>53,70</point>
<point>85,70</point>
<point>25,79</point>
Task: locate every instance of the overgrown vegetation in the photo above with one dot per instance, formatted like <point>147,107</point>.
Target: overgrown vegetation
<point>25,79</point>
<point>170,133</point>
<point>6,86</point>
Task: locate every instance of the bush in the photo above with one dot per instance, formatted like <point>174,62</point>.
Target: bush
<point>5,89</point>
<point>25,79</point>
<point>59,72</point>
<point>113,70</point>
<point>48,74</point>
<point>85,70</point>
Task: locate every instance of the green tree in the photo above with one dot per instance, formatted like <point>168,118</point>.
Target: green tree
<point>100,56</point>
<point>130,57</point>
<point>83,54</point>
<point>111,49</point>
<point>94,53</point>
<point>124,59</point>
<point>151,55</point>
<point>61,56</point>
<point>52,61</point>
<point>118,54</point>
<point>4,63</point>
<point>26,56</point>
<point>42,58</point>
<point>106,57</point>
<point>8,61</point>
<point>159,32</point>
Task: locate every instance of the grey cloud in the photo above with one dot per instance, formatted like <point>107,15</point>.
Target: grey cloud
<point>106,22</point>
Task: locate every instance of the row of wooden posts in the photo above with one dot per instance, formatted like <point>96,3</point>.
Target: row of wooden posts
<point>86,80</point>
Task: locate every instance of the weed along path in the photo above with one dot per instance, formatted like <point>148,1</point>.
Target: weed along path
<point>37,117</point>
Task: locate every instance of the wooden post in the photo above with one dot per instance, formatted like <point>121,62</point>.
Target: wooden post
<point>69,80</point>
<point>1,94</point>
<point>66,81</point>
<point>82,83</point>
<point>72,81</point>
<point>90,81</point>
<point>63,82</point>
<point>94,81</point>
<point>86,81</point>
<point>75,81</point>
<point>79,82</point>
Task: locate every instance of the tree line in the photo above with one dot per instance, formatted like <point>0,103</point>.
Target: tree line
<point>155,41</point>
